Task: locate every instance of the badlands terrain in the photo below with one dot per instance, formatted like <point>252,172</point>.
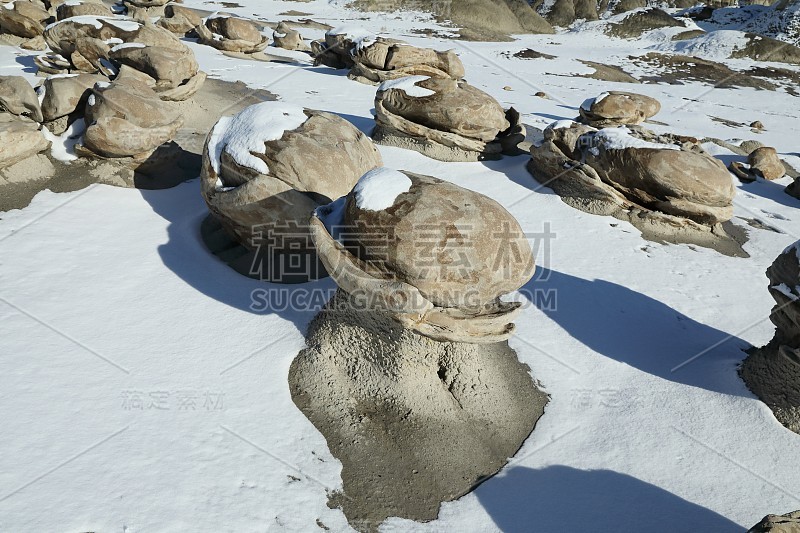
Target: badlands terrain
<point>146,385</point>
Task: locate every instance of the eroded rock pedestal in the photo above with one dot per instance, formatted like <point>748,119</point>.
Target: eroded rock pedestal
<point>414,421</point>
<point>773,372</point>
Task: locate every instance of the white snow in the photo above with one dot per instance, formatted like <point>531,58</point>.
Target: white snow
<point>87,20</point>
<point>621,138</point>
<point>559,124</point>
<point>244,134</point>
<point>127,45</point>
<point>124,25</point>
<point>630,441</point>
<point>379,188</point>
<point>589,102</point>
<point>63,146</point>
<point>408,85</point>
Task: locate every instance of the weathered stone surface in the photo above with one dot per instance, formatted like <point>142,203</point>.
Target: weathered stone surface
<point>764,161</point>
<point>309,166</point>
<point>387,59</point>
<point>179,20</point>
<point>617,108</point>
<point>381,393</point>
<point>89,8</point>
<point>288,38</point>
<point>457,122</point>
<point>127,119</point>
<point>17,22</point>
<point>438,258</point>
<point>169,67</point>
<point>667,186</point>
<point>20,140</point>
<point>639,22</point>
<point>787,523</point>
<point>232,34</point>
<point>773,372</point>
<point>18,98</point>
<point>63,95</point>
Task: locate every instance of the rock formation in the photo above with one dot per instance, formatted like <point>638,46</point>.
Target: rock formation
<point>787,523</point>
<point>411,352</point>
<point>180,20</point>
<point>773,372</point>
<point>288,38</point>
<point>231,34</point>
<point>444,119</point>
<point>26,21</point>
<point>667,186</point>
<point>434,256</point>
<point>267,168</point>
<point>127,119</point>
<point>337,49</point>
<point>20,139</point>
<point>387,59</point>
<point>617,108</point>
<point>18,98</point>
<point>82,9</point>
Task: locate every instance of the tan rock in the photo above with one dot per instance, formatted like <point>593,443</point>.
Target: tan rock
<point>179,19</point>
<point>18,98</point>
<point>617,108</point>
<point>16,23</point>
<point>128,119</point>
<point>170,67</point>
<point>285,179</point>
<point>232,34</point>
<point>384,59</point>
<point>64,94</point>
<point>765,162</point>
<point>20,140</point>
<point>787,523</point>
<point>67,10</point>
<point>288,38</point>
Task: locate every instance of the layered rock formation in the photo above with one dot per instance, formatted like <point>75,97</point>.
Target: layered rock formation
<point>444,119</point>
<point>618,108</point>
<point>267,168</point>
<point>387,59</point>
<point>787,523</point>
<point>667,186</point>
<point>434,256</point>
<point>773,372</point>
<point>289,38</point>
<point>231,34</point>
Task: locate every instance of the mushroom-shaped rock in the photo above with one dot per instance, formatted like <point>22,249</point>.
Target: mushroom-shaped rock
<point>268,167</point>
<point>764,162</point>
<point>231,34</point>
<point>773,371</point>
<point>383,59</point>
<point>18,98</point>
<point>20,139</point>
<point>127,119</point>
<point>23,19</point>
<point>617,108</point>
<point>667,186</point>
<point>434,255</point>
<point>444,119</point>
<point>64,94</point>
<point>288,38</point>
<point>179,20</point>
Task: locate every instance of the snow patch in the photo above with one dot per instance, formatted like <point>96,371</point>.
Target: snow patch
<point>128,45</point>
<point>63,146</point>
<point>408,85</point>
<point>589,102</point>
<point>379,188</point>
<point>621,138</point>
<point>244,134</point>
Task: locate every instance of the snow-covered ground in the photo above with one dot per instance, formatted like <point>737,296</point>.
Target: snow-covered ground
<point>143,386</point>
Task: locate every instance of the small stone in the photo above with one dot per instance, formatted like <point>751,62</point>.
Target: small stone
<point>757,125</point>
<point>542,94</point>
<point>765,162</point>
<point>507,88</point>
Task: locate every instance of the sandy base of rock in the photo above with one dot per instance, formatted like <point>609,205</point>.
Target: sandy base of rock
<point>776,381</point>
<point>449,154</point>
<point>294,268</point>
<point>726,238</point>
<point>415,422</point>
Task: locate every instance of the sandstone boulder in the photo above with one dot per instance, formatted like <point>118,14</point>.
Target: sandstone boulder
<point>179,20</point>
<point>444,119</point>
<point>787,523</point>
<point>175,71</point>
<point>435,256</point>
<point>127,119</point>
<point>82,9</point>
<point>617,108</point>
<point>18,98</point>
<point>20,139</point>
<point>667,186</point>
<point>773,372</point>
<point>267,168</point>
<point>765,163</point>
<point>336,50</point>
<point>65,94</point>
<point>23,19</point>
<point>231,34</point>
<point>288,38</point>
<point>386,59</point>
